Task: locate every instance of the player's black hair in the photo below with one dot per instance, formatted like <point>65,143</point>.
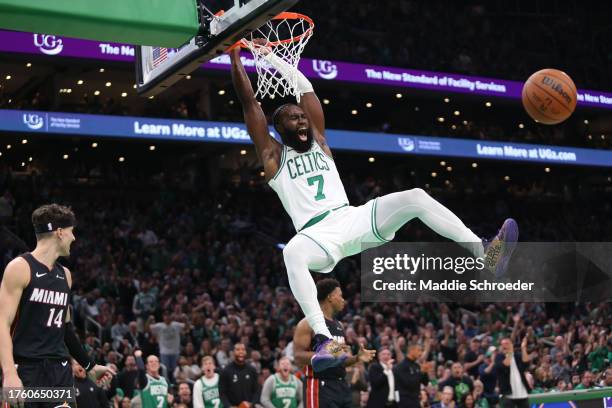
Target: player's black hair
<point>48,218</point>
<point>325,287</point>
<point>277,113</point>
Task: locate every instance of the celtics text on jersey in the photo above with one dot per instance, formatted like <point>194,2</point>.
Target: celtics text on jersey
<point>308,184</point>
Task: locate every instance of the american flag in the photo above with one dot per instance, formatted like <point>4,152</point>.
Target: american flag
<point>160,54</point>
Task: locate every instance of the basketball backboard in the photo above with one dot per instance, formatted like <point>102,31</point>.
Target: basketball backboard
<point>158,68</point>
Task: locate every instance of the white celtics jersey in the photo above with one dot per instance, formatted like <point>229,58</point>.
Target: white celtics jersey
<point>308,184</point>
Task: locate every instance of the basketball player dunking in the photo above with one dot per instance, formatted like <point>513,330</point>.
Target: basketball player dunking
<point>302,172</point>
<point>326,388</point>
<point>35,327</point>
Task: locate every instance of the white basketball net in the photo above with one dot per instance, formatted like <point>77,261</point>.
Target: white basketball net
<point>275,36</point>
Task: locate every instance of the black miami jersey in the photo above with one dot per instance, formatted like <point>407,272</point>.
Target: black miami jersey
<point>38,328</point>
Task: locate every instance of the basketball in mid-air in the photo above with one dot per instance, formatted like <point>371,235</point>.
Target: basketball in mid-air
<point>549,96</point>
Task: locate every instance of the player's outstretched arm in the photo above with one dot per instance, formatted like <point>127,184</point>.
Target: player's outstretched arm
<point>16,278</point>
<point>309,101</point>
<point>268,150</point>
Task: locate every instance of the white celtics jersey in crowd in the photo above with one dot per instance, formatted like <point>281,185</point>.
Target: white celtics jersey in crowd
<point>308,184</point>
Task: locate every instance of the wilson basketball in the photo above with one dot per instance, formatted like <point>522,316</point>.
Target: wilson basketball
<point>549,96</point>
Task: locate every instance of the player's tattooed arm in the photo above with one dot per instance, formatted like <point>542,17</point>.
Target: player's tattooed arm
<point>301,344</point>
<point>268,150</point>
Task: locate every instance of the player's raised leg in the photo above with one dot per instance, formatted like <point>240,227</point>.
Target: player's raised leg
<point>396,209</point>
<point>302,255</point>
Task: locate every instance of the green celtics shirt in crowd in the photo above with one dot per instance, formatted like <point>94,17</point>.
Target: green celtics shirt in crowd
<point>208,388</point>
<point>155,394</point>
<point>284,394</point>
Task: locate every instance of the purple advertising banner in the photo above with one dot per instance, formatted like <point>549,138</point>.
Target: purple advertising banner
<point>51,45</point>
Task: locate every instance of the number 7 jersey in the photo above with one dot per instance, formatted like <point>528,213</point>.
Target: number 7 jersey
<point>308,184</point>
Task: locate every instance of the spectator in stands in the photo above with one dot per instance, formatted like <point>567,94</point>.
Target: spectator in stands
<point>511,367</point>
<point>460,383</point>
<point>473,358</point>
<point>184,395</point>
<point>446,398</point>
<point>127,378</point>
<point>238,381</point>
<point>282,389</point>
<point>168,334</point>
<point>488,376</point>
<point>382,381</point>
<point>408,376</point>
<point>206,389</point>
<point>587,381</point>
<point>119,329</point>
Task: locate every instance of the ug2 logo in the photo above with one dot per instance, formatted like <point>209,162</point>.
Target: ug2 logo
<point>33,121</point>
<point>406,143</point>
<point>325,69</point>
<point>48,44</point>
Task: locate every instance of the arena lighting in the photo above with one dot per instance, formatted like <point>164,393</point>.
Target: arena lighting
<point>8,77</point>
<point>24,141</point>
<point>94,145</point>
<point>454,127</point>
<point>65,157</point>
<point>603,137</point>
<point>29,64</point>
<point>152,147</point>
<point>243,152</point>
<point>474,165</point>
<point>440,119</point>
<point>123,94</point>
<point>221,92</point>
<point>456,113</point>
<point>326,101</point>
<point>586,121</point>
<point>371,159</point>
<point>354,112</point>
<point>188,77</point>
<point>22,164</point>
<point>449,168</point>
<point>134,86</point>
<point>465,122</point>
<point>590,137</point>
<point>369,105</point>
<point>108,84</point>
<point>434,174</point>
<point>446,100</point>
<point>152,97</point>
<point>547,169</point>
<point>488,104</point>
<point>121,159</point>
<point>97,93</point>
<point>521,126</point>
<point>507,178</point>
<point>101,69</point>
<point>416,109</point>
<point>398,95</point>
<point>8,147</point>
<point>80,82</point>
<point>447,182</point>
<point>442,163</point>
<point>231,102</point>
<point>30,159</point>
<point>262,174</point>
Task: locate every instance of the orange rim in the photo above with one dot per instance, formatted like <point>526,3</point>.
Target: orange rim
<point>286,15</point>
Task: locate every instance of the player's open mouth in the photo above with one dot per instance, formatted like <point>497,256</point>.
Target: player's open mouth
<point>303,134</point>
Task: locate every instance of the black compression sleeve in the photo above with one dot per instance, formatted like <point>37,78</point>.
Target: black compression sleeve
<point>75,348</point>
